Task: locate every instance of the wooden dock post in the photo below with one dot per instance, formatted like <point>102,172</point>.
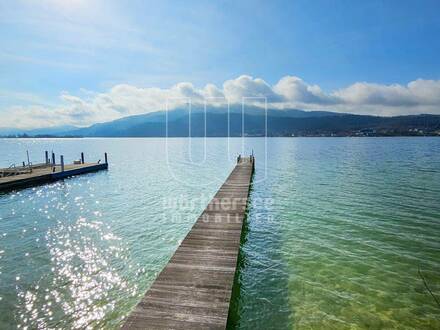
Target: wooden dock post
<point>28,161</point>
<point>105,158</point>
<point>53,159</point>
<point>62,163</point>
<point>193,291</point>
<point>46,154</point>
<point>82,158</point>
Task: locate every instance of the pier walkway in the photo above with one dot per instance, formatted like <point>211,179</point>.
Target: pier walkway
<point>193,291</point>
<point>31,175</point>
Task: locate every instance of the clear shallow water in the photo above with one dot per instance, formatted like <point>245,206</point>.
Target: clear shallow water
<point>352,221</point>
<point>336,232</point>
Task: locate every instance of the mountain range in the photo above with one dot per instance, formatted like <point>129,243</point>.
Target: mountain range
<point>218,122</point>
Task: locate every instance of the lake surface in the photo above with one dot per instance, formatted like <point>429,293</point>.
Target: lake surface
<point>338,231</point>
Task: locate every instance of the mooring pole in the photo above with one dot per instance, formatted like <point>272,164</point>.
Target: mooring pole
<point>53,159</point>
<point>82,158</point>
<point>29,162</point>
<point>105,157</point>
<point>62,163</point>
<point>46,154</point>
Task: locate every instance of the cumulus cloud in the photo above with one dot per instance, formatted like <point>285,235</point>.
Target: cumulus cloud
<point>236,90</point>
<point>418,96</point>
<point>212,91</point>
<point>294,89</point>
<point>375,94</point>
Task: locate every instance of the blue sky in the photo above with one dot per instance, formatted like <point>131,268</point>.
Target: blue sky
<point>60,59</point>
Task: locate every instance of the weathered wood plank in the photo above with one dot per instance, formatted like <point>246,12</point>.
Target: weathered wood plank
<point>193,291</point>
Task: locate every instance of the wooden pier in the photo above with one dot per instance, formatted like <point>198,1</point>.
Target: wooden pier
<point>30,175</point>
<point>193,291</point>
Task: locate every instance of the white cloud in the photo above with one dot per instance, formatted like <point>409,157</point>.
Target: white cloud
<point>247,87</point>
<point>294,89</point>
<point>375,94</point>
<point>212,91</point>
<point>418,96</point>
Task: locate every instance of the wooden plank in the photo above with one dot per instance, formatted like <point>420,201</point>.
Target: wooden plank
<point>193,291</point>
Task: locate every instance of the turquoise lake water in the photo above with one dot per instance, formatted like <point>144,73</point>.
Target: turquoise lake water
<point>337,232</point>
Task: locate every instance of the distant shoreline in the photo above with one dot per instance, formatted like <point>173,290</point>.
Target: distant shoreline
<point>212,137</point>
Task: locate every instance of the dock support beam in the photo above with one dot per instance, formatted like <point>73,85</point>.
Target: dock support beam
<point>82,158</point>
<point>53,159</point>
<point>105,157</point>
<point>46,154</point>
<point>62,163</point>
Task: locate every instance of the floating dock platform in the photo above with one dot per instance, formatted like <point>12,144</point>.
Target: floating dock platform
<point>194,289</point>
<point>30,175</point>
